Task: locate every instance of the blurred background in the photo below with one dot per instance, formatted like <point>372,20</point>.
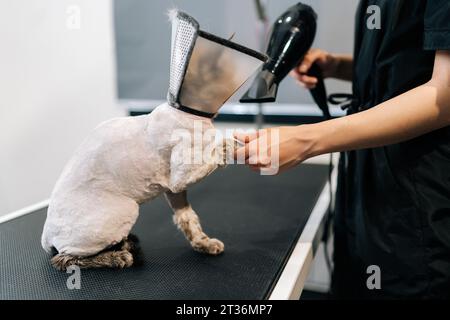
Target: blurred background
<point>142,32</point>
<point>66,65</point>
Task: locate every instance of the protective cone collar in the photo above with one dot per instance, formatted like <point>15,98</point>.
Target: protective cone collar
<point>205,70</point>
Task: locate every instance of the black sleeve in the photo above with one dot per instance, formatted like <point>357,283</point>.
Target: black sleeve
<point>437,25</point>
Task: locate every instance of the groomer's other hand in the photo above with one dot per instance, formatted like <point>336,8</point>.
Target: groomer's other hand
<point>280,147</point>
<point>327,62</point>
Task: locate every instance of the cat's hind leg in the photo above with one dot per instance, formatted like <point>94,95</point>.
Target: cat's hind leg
<point>108,259</point>
<point>122,255</point>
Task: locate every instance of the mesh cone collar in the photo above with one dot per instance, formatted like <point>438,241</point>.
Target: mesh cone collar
<point>205,70</point>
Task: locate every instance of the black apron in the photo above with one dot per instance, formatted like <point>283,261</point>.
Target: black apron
<point>393,202</point>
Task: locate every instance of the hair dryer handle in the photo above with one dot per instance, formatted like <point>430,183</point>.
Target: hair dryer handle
<point>319,93</point>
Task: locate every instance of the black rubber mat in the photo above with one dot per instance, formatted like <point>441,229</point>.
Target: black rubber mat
<point>259,218</point>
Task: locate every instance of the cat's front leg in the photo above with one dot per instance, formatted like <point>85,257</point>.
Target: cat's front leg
<point>188,222</point>
<point>225,151</point>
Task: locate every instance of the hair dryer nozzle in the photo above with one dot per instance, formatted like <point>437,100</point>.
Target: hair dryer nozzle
<point>263,89</point>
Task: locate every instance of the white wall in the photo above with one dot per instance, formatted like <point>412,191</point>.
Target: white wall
<point>56,84</point>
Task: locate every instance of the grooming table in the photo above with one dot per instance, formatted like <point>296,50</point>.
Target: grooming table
<point>270,226</point>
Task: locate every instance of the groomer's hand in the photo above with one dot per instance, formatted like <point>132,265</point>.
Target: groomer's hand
<point>327,62</point>
<point>338,66</point>
<point>279,148</point>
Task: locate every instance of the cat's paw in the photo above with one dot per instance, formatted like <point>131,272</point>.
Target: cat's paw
<point>121,259</point>
<point>209,246</point>
<point>229,147</point>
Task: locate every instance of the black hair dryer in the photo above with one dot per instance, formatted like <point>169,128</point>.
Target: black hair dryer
<point>291,37</point>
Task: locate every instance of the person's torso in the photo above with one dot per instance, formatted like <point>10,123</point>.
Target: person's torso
<point>394,201</point>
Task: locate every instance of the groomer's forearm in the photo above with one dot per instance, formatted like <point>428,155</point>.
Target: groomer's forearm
<point>416,112</point>
<point>344,69</point>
